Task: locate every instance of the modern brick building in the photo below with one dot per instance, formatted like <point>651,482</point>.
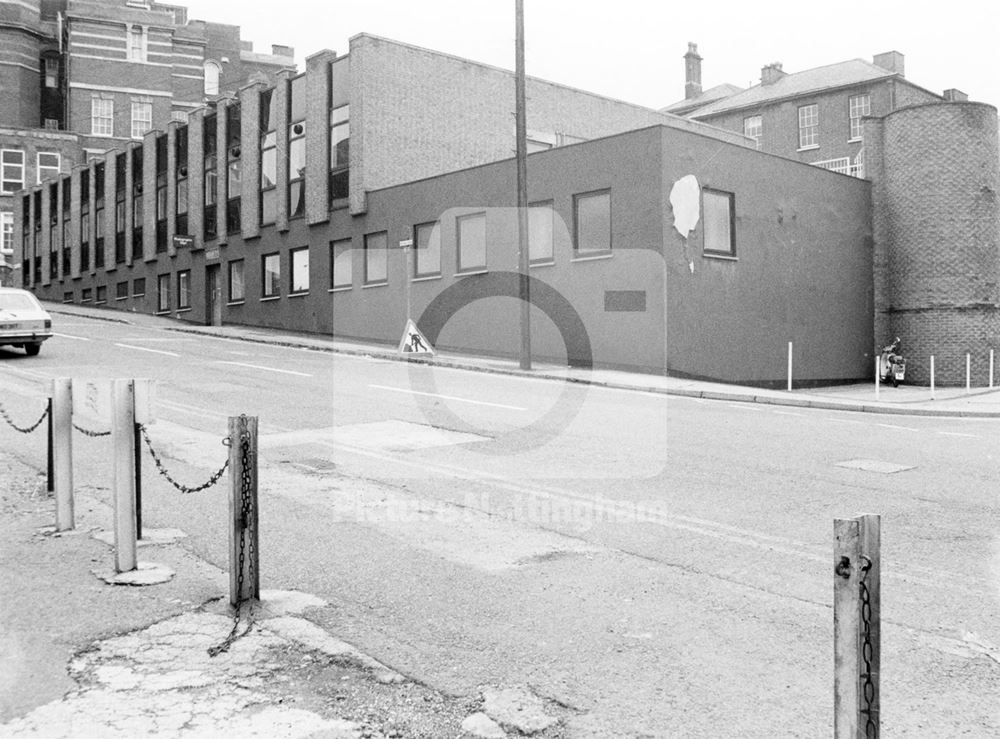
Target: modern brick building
<point>815,116</point>
<point>658,243</point>
<point>80,77</point>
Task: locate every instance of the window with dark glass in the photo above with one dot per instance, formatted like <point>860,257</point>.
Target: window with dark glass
<point>471,247</point>
<point>592,223</point>
<point>119,209</point>
<point>341,264</point>
<point>138,287</point>
<point>85,220</point>
<point>376,258</point>
<point>540,222</point>
<point>211,182</point>
<point>237,290</point>
<point>161,194</point>
<point>340,152</point>
<point>299,270</point>
<point>426,250</point>
<point>86,295</point>
<point>67,194</point>
<point>297,147</point>
<point>268,159</point>
<point>121,290</point>
<point>138,205</point>
<point>163,293</point>
<point>53,230</point>
<point>718,217</point>
<point>102,294</point>
<point>270,275</point>
<point>234,169</point>
<point>99,215</point>
<point>181,185</point>
<point>184,289</point>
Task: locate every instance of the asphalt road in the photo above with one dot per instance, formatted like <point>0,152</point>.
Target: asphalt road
<point>660,565</point>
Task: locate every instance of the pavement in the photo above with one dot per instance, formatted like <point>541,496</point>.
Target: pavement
<point>150,668</point>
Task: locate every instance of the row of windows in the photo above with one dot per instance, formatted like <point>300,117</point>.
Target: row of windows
<point>858,106</point>
<point>102,117</point>
<point>47,163</point>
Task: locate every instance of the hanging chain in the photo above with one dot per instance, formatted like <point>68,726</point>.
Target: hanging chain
<point>246,540</point>
<point>88,432</point>
<point>27,429</point>
<point>867,653</point>
<point>163,470</point>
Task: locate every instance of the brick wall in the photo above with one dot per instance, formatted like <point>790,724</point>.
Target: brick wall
<point>408,122</point>
<point>938,235</point>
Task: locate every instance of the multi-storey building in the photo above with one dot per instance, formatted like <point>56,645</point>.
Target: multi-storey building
<point>82,76</point>
<point>814,116</point>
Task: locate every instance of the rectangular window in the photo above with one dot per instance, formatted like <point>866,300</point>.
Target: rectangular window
<point>753,127</point>
<point>211,181</point>
<point>142,119</point>
<point>181,185</point>
<point>102,294</point>
<point>51,71</point>
<point>718,217</point>
<point>68,297</point>
<point>102,117</point>
<point>268,159</point>
<point>137,44</point>
<point>340,151</point>
<point>859,106</point>
<point>184,289</point>
<point>6,233</point>
<point>86,295</point>
<point>163,293</point>
<point>237,291</point>
<point>376,258</point>
<point>270,275</point>
<point>138,287</point>
<point>540,220</point>
<point>234,170</point>
<point>11,170</point>
<point>161,194</point>
<point>297,147</point>
<point>427,250</point>
<point>471,247</point>
<point>121,290</point>
<point>592,223</point>
<point>138,202</point>
<point>808,126</point>
<point>47,164</point>
<point>299,270</point>
<point>341,264</point>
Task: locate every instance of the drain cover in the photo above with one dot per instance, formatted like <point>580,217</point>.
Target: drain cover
<point>875,465</point>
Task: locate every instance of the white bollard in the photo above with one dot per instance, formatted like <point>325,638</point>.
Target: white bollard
<point>122,436</point>
<point>789,366</point>
<point>878,374</point>
<point>991,368</point>
<point>62,452</point>
<point>932,377</point>
<point>968,372</point>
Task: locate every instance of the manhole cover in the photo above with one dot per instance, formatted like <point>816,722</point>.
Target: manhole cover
<point>875,465</point>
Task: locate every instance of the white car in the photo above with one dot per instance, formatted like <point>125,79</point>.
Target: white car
<point>23,321</point>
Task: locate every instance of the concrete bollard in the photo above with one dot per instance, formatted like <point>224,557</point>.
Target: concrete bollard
<point>789,366</point>
<point>62,452</point>
<point>932,377</point>
<point>122,436</point>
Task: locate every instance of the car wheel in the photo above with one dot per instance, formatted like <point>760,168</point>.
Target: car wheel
<point>32,349</point>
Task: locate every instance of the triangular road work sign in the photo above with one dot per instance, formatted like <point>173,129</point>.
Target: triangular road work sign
<point>414,342</point>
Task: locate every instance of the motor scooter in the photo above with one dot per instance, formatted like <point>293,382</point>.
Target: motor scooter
<point>892,366</point>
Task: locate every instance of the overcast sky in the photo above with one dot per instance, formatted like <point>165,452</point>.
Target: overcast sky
<point>633,49</point>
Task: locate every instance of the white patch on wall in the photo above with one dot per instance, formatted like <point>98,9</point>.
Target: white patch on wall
<point>685,200</point>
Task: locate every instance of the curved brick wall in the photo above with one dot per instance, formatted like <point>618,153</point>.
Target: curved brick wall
<point>19,71</point>
<point>941,180</point>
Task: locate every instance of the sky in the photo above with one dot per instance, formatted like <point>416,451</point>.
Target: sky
<point>633,49</point>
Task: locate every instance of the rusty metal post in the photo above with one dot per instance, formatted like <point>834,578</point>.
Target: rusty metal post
<point>244,572</point>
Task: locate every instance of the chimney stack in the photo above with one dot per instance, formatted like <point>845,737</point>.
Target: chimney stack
<point>771,73</point>
<point>955,96</point>
<point>891,61</point>
<point>692,72</point>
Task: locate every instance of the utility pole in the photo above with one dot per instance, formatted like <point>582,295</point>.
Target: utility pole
<point>521,135</point>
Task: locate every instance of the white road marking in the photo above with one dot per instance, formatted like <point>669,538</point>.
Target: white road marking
<point>956,433</point>
<point>447,397</point>
<point>266,369</point>
<point>787,413</point>
<point>901,428</point>
<point>70,336</point>
<point>147,349</point>
<point>744,407</point>
<point>847,420</point>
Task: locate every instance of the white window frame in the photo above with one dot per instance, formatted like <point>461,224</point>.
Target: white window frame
<point>102,117</point>
<point>298,271</point>
<point>718,217</point>
<point>138,130</point>
<point>809,126</point>
<point>212,81</point>
<point>753,126</point>
<point>341,264</point>
<point>858,106</point>
<point>5,165</point>
<point>48,169</point>
<point>6,233</point>
<point>137,53</point>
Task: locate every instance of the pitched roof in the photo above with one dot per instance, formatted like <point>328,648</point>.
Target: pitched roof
<point>708,96</point>
<point>851,72</point>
